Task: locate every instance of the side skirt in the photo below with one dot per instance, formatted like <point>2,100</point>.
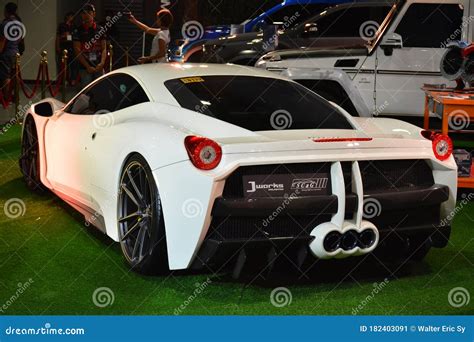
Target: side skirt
<point>90,215</point>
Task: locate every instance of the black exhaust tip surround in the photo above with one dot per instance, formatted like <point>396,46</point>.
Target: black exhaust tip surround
<point>349,240</point>
<point>367,238</point>
<point>332,241</point>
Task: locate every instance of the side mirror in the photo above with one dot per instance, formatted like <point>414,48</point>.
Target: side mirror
<point>390,42</point>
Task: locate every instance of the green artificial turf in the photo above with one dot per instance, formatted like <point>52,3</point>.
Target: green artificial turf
<point>67,262</point>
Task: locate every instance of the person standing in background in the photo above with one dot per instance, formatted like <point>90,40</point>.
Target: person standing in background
<point>90,46</point>
<point>10,44</point>
<point>161,40</point>
<point>64,42</point>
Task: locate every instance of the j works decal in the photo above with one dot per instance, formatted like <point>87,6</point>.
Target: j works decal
<point>270,187</point>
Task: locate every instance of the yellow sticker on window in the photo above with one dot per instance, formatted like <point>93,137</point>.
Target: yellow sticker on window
<point>192,80</point>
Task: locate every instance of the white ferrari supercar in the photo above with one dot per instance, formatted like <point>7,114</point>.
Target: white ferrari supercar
<point>192,166</point>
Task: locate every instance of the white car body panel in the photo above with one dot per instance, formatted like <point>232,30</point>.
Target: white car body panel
<point>82,162</point>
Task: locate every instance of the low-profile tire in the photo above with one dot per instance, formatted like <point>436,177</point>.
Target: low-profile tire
<point>30,157</point>
<point>140,219</point>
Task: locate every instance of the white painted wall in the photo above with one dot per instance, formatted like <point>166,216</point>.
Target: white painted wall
<point>39,18</point>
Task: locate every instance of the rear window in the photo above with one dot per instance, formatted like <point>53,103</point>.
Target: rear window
<point>257,103</point>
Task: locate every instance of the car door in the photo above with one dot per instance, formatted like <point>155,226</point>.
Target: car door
<point>68,137</point>
<point>425,29</point>
<point>124,92</point>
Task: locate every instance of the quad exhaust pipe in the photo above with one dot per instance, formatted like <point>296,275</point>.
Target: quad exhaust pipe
<point>330,241</point>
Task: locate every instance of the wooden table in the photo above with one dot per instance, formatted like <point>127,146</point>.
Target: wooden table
<point>454,106</point>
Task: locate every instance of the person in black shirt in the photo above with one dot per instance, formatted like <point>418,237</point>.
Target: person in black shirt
<point>90,47</point>
<point>64,42</point>
<point>12,32</point>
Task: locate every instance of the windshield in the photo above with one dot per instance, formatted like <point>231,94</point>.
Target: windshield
<point>257,103</point>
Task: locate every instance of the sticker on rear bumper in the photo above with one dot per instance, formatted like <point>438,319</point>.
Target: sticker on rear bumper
<point>281,185</point>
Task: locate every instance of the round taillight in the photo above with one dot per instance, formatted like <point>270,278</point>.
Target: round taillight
<point>442,146</point>
<point>204,153</point>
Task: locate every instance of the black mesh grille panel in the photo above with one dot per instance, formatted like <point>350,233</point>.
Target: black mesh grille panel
<point>395,175</point>
<point>245,228</point>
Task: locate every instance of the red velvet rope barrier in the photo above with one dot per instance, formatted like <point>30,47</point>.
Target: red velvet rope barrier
<point>43,71</point>
<point>36,85</point>
<point>59,80</point>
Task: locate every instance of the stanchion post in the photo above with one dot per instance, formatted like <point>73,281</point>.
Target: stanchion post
<point>44,62</point>
<point>17,83</point>
<point>111,57</point>
<point>64,61</point>
<point>127,56</point>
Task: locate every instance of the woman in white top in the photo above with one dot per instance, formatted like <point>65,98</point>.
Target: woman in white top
<point>159,46</point>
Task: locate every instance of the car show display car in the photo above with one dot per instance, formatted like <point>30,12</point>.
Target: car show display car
<point>272,15</point>
<point>193,165</point>
<point>385,76</point>
<point>317,31</point>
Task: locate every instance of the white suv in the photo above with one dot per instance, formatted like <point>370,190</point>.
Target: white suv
<point>386,75</point>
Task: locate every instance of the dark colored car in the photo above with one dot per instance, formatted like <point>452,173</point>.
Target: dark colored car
<point>345,25</point>
<point>271,13</point>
